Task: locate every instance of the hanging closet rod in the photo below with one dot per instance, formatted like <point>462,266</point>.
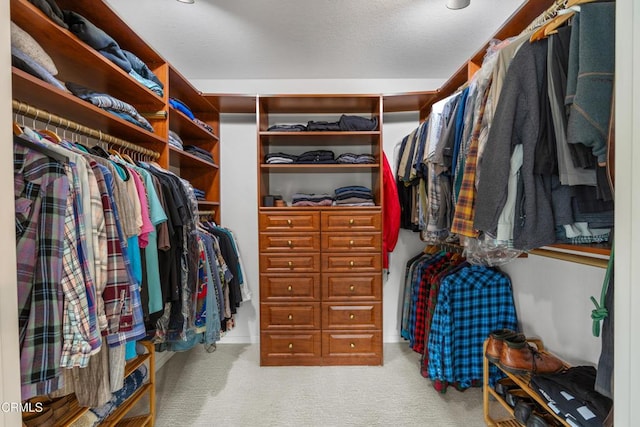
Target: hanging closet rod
<point>205,213</point>
<point>551,12</point>
<point>38,114</point>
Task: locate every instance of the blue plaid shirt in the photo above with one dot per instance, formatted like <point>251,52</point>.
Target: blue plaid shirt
<point>471,303</point>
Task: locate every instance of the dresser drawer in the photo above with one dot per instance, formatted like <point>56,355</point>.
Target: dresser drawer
<point>352,316</point>
<point>338,286</point>
<point>352,263</point>
<point>293,263</point>
<point>289,221</point>
<point>351,221</point>
<point>290,316</point>
<point>285,242</point>
<point>297,348</point>
<point>352,242</point>
<point>281,287</point>
<point>352,348</point>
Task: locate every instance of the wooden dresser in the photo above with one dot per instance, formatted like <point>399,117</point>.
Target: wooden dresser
<point>321,287</point>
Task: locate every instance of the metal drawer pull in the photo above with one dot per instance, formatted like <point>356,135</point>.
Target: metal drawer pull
<point>351,242</point>
<point>290,288</point>
<point>289,243</point>
<point>351,221</point>
<point>352,345</point>
<point>290,346</point>
<point>352,288</point>
<point>291,317</point>
<point>290,263</point>
<point>352,263</point>
<point>289,222</point>
<point>352,316</point>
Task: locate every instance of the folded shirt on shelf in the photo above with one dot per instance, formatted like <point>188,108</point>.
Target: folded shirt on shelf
<point>199,152</point>
<point>141,68</point>
<point>303,199</point>
<point>51,9</point>
<point>351,158</point>
<point>316,156</point>
<point>273,158</point>
<point>200,195</point>
<point>175,140</point>
<point>354,195</point>
<point>182,107</point>
<point>322,126</point>
<point>149,84</point>
<point>350,123</point>
<point>203,124</point>
<point>29,46</point>
<point>287,128</point>
<point>111,104</point>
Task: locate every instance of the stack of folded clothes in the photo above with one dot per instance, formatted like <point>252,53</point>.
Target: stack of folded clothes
<point>102,42</point>
<point>287,128</point>
<point>273,158</point>
<point>301,199</point>
<point>316,156</point>
<point>109,103</point>
<point>354,195</point>
<point>199,152</point>
<point>355,158</point>
<point>175,140</point>
<point>182,107</point>
<point>198,193</point>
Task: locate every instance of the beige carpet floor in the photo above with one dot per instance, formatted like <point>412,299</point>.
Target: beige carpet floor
<point>229,388</point>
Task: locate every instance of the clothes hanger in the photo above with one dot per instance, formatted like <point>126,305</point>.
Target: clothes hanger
<point>53,137</point>
<point>563,16</point>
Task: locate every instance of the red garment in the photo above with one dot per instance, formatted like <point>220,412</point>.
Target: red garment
<point>390,212</point>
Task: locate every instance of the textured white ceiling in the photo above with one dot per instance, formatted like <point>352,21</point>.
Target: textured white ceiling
<point>320,39</point>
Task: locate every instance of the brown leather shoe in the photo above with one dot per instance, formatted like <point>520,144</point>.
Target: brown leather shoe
<point>496,340</point>
<point>521,358</point>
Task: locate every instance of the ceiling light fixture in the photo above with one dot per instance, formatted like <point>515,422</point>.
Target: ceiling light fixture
<point>187,1</point>
<point>457,4</point>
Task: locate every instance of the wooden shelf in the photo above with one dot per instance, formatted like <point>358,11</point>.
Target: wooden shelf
<point>126,406</point>
<point>410,101</point>
<point>207,204</point>
<point>73,58</point>
<point>40,94</point>
<point>182,159</point>
<point>522,381</point>
<point>233,103</point>
<point>182,89</point>
<point>319,208</point>
<point>187,128</point>
<point>310,168</point>
<point>319,104</point>
<point>143,420</point>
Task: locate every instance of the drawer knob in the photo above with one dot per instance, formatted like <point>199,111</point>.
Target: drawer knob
<point>290,346</point>
<point>290,317</point>
<point>290,264</point>
<point>289,243</point>
<point>352,316</point>
<point>351,242</point>
<point>351,221</point>
<point>352,345</point>
<point>351,263</point>
<point>352,288</point>
<point>290,288</point>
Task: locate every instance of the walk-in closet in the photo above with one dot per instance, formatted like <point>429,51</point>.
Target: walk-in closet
<point>300,213</point>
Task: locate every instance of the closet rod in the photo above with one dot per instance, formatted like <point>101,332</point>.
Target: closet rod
<point>38,114</point>
<point>564,256</point>
<point>204,213</point>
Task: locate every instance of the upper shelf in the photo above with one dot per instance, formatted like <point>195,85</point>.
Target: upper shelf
<point>305,104</point>
<point>187,128</point>
<point>35,92</point>
<point>79,63</point>
<point>181,88</point>
<point>232,103</point>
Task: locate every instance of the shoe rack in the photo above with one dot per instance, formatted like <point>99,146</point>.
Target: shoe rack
<point>521,381</point>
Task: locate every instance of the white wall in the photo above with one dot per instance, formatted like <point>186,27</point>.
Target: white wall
<point>9,356</point>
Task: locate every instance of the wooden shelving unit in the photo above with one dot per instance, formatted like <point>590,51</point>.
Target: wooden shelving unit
<point>523,382</point>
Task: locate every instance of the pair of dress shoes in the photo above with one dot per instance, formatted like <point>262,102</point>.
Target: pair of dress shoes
<point>511,351</point>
